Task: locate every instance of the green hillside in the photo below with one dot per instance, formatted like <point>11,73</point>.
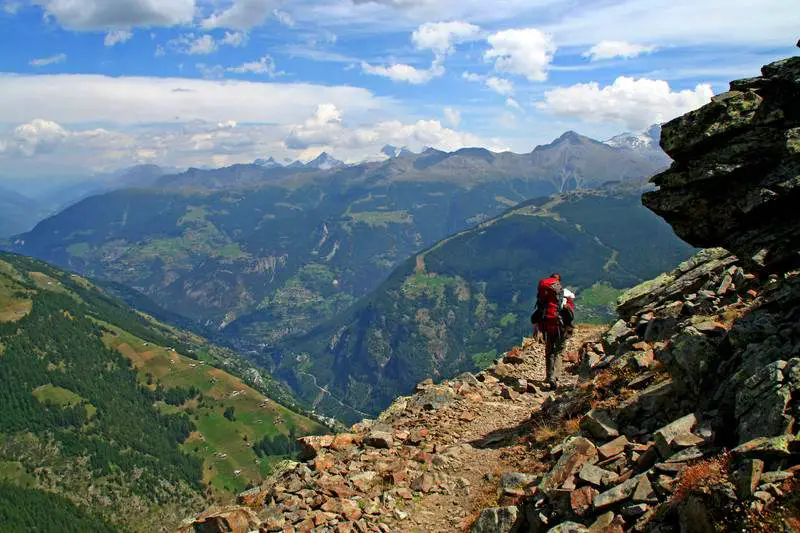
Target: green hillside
<point>455,306</point>
<point>115,411</point>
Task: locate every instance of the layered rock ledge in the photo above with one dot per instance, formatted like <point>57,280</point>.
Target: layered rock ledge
<point>735,180</point>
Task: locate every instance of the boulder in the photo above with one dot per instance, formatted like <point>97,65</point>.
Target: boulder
<point>497,520</point>
<point>694,517</point>
<point>568,527</point>
<point>599,425</point>
<point>607,523</point>
<point>581,500</point>
<point>597,476</point>
<point>615,335</point>
<point>379,439</point>
<point>620,493</point>
<point>763,403</point>
<point>644,492</point>
<point>766,448</point>
<point>613,448</point>
<point>516,483</point>
<point>576,452</point>
<point>747,477</point>
<point>226,520</point>
<point>665,436</point>
<point>311,446</point>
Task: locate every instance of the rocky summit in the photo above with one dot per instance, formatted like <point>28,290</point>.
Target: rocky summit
<point>734,180</point>
<point>682,416</point>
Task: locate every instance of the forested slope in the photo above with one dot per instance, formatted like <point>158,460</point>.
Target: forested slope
<point>117,412</point>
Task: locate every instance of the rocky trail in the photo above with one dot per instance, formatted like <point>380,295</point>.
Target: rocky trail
<point>482,434</point>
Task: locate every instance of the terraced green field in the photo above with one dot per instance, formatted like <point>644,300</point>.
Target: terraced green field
<point>230,463</point>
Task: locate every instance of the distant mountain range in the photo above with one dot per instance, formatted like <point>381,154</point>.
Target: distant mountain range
<point>219,245</point>
<point>260,252</point>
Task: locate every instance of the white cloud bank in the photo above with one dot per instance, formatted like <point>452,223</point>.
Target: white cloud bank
<point>527,52</point>
<point>636,103</point>
<point>326,130</point>
<point>85,123</point>
<point>90,99</point>
<point>612,49</point>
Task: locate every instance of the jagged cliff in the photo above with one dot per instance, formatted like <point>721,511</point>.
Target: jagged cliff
<point>683,416</point>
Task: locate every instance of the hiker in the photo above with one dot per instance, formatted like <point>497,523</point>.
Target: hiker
<point>555,311</point>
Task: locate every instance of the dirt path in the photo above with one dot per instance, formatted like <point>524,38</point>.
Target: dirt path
<point>478,437</point>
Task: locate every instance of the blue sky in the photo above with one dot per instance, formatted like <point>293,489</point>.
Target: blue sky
<point>95,85</point>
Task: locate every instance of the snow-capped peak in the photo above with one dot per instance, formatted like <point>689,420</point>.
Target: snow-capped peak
<point>646,140</point>
<point>325,161</point>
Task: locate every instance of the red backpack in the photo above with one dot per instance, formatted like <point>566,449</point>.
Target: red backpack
<point>549,300</point>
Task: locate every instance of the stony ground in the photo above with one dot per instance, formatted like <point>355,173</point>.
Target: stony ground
<point>483,432</point>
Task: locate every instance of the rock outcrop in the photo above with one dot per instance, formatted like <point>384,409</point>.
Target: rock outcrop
<point>735,180</point>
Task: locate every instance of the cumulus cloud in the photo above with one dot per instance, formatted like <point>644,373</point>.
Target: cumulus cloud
<point>452,116</point>
<point>235,39</point>
<point>44,61</point>
<point>115,37</point>
<point>204,44</point>
<point>636,103</point>
<point>527,52</point>
<point>116,14</point>
<point>404,73</point>
<point>440,37</point>
<point>501,86</point>
<point>326,130</point>
<point>612,49</point>
<point>194,44</point>
<point>265,65</point>
<point>37,136</point>
<point>510,102</point>
<point>242,15</point>
<point>284,18</point>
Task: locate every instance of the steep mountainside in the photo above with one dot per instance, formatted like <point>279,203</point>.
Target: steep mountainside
<point>132,421</point>
<point>452,307</point>
<point>292,247</point>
